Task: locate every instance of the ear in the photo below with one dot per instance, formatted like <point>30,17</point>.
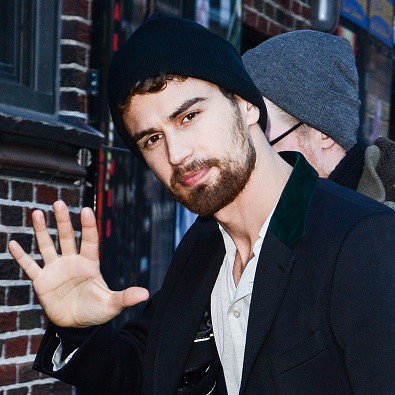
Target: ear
<point>253,114</point>
<point>326,141</point>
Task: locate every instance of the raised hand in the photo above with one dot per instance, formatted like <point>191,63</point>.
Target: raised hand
<point>70,286</point>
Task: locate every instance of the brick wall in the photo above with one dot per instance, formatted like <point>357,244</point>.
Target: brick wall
<point>272,17</point>
<point>22,321</point>
<point>74,60</point>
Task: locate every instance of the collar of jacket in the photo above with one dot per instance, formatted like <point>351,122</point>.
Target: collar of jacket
<point>349,170</point>
<point>289,218</point>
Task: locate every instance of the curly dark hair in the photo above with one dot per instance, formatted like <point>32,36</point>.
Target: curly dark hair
<point>156,84</point>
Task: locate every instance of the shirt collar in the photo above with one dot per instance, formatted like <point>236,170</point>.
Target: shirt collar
<point>247,279</point>
<point>288,221</point>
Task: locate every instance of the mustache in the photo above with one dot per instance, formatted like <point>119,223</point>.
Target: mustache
<point>180,171</point>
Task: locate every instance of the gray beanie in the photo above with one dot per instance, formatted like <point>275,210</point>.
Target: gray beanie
<point>312,76</point>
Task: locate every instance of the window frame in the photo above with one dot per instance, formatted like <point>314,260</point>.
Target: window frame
<point>32,46</point>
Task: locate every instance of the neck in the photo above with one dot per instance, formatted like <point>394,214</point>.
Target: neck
<point>244,217</point>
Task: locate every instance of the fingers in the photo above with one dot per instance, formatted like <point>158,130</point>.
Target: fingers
<point>44,240</point>
<point>129,297</point>
<point>89,236</point>
<point>26,262</point>
<point>65,229</point>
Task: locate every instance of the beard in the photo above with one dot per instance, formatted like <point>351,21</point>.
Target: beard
<point>234,172</point>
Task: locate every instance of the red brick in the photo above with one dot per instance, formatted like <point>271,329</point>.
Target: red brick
<point>9,270</point>
<point>283,18</point>
<point>3,241</point>
<point>60,388</point>
<point>8,322</point>
<point>70,196</point>
<point>2,297</point>
<point>43,389</point>
<point>72,101</point>
<point>30,319</point>
<point>249,18</point>
<point>76,8</point>
<point>270,11</point>
<point>35,343</point>
<point>7,374</point>
<point>73,54</point>
<point>274,29</point>
<point>259,5</point>
<point>283,3</point>
<point>305,12</point>
<point>76,30</point>
<point>3,189</point>
<point>74,78</point>
<point>26,373</point>
<point>46,194</point>
<point>18,295</point>
<point>262,24</point>
<point>18,391</point>
<point>11,215</point>
<point>16,346</point>
<point>22,191</point>
<point>295,7</point>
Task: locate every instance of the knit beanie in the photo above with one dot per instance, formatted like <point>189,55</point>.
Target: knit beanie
<point>312,76</point>
<point>168,44</point>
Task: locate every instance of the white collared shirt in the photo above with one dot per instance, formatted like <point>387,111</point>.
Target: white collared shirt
<point>230,307</point>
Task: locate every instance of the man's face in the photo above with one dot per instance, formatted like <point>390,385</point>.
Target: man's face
<point>196,141</point>
<point>306,141</point>
<point>277,125</point>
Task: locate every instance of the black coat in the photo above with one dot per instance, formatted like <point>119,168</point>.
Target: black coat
<point>322,316</point>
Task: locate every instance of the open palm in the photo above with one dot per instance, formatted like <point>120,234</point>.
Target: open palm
<point>70,286</point>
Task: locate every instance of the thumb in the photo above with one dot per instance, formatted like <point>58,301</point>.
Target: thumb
<point>129,297</point>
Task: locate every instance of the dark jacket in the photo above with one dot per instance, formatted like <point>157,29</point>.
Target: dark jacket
<point>369,170</point>
<point>321,320</point>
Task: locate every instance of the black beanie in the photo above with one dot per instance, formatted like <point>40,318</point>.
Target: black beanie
<point>171,45</point>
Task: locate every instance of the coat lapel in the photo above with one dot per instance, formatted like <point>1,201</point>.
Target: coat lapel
<point>271,280</point>
<point>185,308</point>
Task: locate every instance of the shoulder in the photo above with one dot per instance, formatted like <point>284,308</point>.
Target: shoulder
<point>345,201</point>
<point>337,212</point>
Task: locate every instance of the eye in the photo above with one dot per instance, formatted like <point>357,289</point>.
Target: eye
<point>152,140</point>
<point>190,117</point>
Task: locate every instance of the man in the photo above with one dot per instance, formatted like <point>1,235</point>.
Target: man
<point>283,285</point>
<point>309,80</point>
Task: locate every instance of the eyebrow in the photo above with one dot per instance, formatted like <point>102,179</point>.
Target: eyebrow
<point>183,107</point>
<point>139,135</point>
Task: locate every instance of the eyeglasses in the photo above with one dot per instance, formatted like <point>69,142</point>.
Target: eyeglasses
<point>277,139</point>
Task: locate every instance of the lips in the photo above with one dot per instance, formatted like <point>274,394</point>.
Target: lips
<point>192,178</point>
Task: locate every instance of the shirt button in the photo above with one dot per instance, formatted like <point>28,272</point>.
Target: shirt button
<point>236,314</point>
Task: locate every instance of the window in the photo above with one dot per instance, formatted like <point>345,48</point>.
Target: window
<point>28,53</point>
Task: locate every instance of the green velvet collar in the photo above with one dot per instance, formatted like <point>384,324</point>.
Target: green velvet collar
<point>289,218</point>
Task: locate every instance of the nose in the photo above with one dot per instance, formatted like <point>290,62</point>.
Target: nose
<point>179,148</point>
